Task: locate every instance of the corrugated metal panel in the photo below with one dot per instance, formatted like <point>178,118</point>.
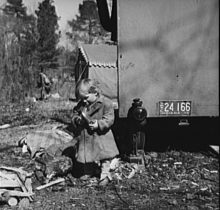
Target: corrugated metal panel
<point>101,55</point>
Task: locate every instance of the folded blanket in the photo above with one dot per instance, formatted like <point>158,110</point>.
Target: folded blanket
<point>53,141</point>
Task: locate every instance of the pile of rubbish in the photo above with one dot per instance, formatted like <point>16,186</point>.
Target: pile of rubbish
<point>51,151</point>
<point>52,166</point>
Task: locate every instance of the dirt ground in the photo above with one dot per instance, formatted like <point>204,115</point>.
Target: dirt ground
<point>172,179</point>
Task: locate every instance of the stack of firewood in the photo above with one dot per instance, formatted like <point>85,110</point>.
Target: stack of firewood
<point>15,186</point>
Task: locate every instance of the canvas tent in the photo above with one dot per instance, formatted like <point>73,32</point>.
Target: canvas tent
<point>99,62</point>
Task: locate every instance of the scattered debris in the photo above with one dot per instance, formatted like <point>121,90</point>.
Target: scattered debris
<point>120,169</point>
<point>170,179</point>
<point>5,126</point>
<point>153,154</point>
<point>184,180</point>
<point>114,163</point>
<point>55,95</point>
<point>48,150</point>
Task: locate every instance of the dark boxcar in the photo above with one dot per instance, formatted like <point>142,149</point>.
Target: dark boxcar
<point>169,51</point>
<point>168,56</point>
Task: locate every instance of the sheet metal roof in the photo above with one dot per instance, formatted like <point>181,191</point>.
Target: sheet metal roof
<point>99,54</point>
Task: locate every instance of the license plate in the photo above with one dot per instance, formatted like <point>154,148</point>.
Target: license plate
<point>175,108</point>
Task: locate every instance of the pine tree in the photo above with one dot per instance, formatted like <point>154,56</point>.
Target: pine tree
<point>86,26</point>
<point>21,25</point>
<point>47,26</point>
<point>15,8</point>
<point>19,47</point>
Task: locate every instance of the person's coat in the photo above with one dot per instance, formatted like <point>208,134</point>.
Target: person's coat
<point>98,144</point>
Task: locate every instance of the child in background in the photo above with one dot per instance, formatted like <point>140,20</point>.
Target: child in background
<point>92,119</point>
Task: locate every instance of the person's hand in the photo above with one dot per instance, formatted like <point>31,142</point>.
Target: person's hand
<point>93,124</point>
<point>78,120</point>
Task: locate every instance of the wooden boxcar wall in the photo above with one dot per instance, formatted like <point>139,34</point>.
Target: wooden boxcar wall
<point>169,50</point>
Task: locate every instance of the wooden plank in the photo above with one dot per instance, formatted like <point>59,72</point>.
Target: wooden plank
<point>5,183</point>
<point>50,183</point>
<point>15,193</point>
<point>18,170</point>
<point>5,126</point>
